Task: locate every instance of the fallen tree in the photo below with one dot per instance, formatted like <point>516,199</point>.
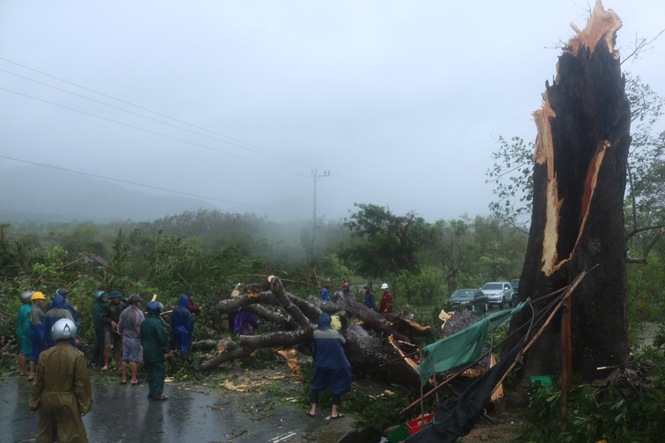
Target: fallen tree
<point>374,340</point>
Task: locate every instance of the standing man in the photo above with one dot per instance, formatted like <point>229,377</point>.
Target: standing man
<point>23,332</point>
<point>129,327</point>
<point>386,300</point>
<point>324,295</point>
<point>369,297</point>
<point>100,302</point>
<point>57,310</point>
<point>110,318</point>
<point>37,331</point>
<point>347,291</point>
<point>156,347</point>
<point>62,392</point>
<point>182,325</point>
<point>191,307</point>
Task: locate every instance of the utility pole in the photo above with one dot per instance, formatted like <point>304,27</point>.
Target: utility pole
<point>315,177</point>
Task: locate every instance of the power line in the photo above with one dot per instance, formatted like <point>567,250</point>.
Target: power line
<point>129,182</point>
<point>135,127</point>
<point>340,177</point>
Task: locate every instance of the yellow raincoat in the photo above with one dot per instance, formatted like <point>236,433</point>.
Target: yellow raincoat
<point>62,393</point>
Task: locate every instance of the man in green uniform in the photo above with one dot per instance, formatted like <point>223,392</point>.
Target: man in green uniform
<point>23,332</point>
<point>100,302</point>
<point>156,346</point>
<point>110,318</point>
<point>61,392</point>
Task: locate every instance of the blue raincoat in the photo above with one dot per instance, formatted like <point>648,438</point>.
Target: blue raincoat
<point>37,332</point>
<point>324,295</point>
<point>332,370</point>
<point>182,325</point>
<point>242,323</point>
<point>57,310</point>
<point>68,306</point>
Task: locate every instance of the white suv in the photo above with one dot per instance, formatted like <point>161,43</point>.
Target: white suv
<point>498,293</point>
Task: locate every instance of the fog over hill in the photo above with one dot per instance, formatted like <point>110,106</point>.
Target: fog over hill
<point>35,193</point>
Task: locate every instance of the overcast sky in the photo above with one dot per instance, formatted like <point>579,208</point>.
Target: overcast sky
<point>399,100</point>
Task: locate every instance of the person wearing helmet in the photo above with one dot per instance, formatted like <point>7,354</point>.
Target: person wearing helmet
<point>129,327</point>
<point>23,331</point>
<point>191,307</point>
<point>62,391</point>
<point>58,309</point>
<point>369,297</point>
<point>37,331</point>
<point>324,295</point>
<point>386,300</point>
<point>73,310</point>
<point>110,318</point>
<point>100,301</point>
<point>182,326</point>
<point>156,347</point>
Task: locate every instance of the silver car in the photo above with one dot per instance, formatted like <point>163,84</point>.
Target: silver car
<point>498,293</point>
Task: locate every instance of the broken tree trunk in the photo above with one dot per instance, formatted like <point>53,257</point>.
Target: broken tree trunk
<point>298,319</point>
<point>577,222</point>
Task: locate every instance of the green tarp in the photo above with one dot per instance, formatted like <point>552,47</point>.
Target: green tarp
<point>463,347</point>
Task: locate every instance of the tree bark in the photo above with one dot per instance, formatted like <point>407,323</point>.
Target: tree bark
<point>577,222</point>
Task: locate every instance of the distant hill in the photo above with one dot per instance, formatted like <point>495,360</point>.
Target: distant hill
<point>34,193</point>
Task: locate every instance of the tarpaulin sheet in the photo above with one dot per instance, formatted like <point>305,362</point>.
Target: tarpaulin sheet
<point>458,417</point>
<point>463,347</point>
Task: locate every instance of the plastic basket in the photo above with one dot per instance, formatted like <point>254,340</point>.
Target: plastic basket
<point>544,380</point>
<point>416,425</point>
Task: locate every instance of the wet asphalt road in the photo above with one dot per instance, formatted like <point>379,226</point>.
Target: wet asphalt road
<point>123,414</point>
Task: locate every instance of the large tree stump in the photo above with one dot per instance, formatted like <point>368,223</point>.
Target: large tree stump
<point>577,222</point>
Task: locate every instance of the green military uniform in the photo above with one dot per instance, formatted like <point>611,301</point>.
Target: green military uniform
<point>62,393</point>
<point>23,329</point>
<point>155,344</point>
<point>98,356</point>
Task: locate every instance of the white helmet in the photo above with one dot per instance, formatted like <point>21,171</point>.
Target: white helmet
<point>26,296</point>
<point>384,286</point>
<point>63,329</point>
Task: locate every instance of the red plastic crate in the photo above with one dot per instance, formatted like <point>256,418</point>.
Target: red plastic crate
<point>416,425</point>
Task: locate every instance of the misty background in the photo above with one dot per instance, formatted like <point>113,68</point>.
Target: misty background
<point>234,104</point>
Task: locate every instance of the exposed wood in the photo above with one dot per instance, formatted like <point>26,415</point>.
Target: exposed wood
<point>579,182</point>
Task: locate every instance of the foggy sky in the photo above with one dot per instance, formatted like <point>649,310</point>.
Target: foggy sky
<point>403,97</point>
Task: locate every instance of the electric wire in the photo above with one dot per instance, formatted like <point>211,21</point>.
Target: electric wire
<point>129,182</point>
<point>279,156</point>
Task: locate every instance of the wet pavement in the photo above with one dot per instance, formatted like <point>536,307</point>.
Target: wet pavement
<point>193,413</point>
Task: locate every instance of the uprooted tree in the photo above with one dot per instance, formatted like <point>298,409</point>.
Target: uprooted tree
<point>579,181</point>
<point>377,339</point>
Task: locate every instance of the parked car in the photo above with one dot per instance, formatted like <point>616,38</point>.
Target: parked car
<point>471,299</point>
<point>499,293</point>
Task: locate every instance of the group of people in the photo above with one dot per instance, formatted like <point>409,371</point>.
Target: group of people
<point>386,305</point>
<point>62,392</point>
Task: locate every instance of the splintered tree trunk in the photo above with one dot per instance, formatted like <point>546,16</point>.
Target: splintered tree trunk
<point>577,222</point>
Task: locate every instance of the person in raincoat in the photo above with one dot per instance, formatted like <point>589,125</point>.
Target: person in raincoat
<point>156,347</point>
<point>386,300</point>
<point>369,297</point>
<point>23,332</point>
<point>182,325</point>
<point>324,295</point>
<point>129,327</point>
<point>62,392</point>
<point>57,310</point>
<point>73,310</point>
<point>245,324</point>
<point>37,331</point>
<point>100,302</point>
<point>332,370</point>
